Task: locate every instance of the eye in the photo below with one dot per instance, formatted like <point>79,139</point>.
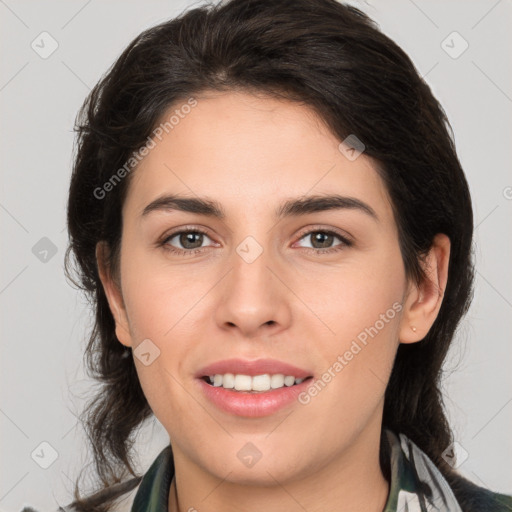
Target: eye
<point>322,239</point>
<point>190,239</point>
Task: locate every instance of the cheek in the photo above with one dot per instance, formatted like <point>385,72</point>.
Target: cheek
<point>354,296</point>
<point>157,301</point>
<point>362,308</point>
<point>158,297</point>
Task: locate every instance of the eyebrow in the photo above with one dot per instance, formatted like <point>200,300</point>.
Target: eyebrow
<point>290,208</point>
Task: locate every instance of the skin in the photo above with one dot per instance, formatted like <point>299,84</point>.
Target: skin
<point>251,153</point>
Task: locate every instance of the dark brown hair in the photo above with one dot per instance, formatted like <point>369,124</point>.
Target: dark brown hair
<point>333,58</point>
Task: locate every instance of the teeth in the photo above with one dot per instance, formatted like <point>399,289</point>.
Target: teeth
<point>257,383</point>
<point>242,382</point>
<point>227,381</point>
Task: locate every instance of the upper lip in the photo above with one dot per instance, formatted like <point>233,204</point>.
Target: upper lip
<point>252,368</point>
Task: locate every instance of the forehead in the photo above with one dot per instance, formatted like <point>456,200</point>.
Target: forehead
<point>255,150</point>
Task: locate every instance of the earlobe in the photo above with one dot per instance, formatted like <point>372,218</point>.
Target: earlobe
<point>424,300</point>
<point>114,296</point>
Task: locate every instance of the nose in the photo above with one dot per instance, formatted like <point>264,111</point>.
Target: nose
<point>253,298</point>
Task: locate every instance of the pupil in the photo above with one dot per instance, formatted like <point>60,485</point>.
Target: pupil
<point>187,238</point>
<point>326,239</point>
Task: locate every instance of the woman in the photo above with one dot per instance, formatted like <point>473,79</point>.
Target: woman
<point>269,214</point>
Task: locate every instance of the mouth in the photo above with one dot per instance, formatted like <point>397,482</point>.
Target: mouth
<point>252,388</point>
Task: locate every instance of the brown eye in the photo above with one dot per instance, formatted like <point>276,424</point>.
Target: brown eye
<point>321,238</point>
<point>190,239</point>
<point>322,241</point>
<point>187,241</point>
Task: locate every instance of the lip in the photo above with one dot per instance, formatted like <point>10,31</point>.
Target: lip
<point>252,405</point>
<point>252,368</point>
<point>247,404</point>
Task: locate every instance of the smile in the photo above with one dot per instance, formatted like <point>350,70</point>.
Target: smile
<point>256,383</point>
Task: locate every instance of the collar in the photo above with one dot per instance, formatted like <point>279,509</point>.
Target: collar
<point>153,492</point>
<point>416,484</point>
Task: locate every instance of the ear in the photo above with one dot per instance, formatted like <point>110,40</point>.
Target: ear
<point>424,300</point>
<point>114,295</point>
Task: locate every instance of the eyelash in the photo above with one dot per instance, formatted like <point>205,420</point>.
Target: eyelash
<point>187,252</point>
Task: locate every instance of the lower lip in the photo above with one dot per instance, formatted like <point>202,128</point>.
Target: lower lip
<point>253,404</point>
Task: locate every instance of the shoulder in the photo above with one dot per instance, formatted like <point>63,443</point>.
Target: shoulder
<point>418,479</point>
<point>122,496</point>
<point>475,498</point>
<point>122,493</point>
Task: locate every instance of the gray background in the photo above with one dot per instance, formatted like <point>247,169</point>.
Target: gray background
<point>45,321</point>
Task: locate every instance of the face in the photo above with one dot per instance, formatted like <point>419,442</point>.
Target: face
<point>318,288</point>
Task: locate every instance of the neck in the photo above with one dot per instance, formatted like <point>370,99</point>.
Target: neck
<point>352,481</point>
